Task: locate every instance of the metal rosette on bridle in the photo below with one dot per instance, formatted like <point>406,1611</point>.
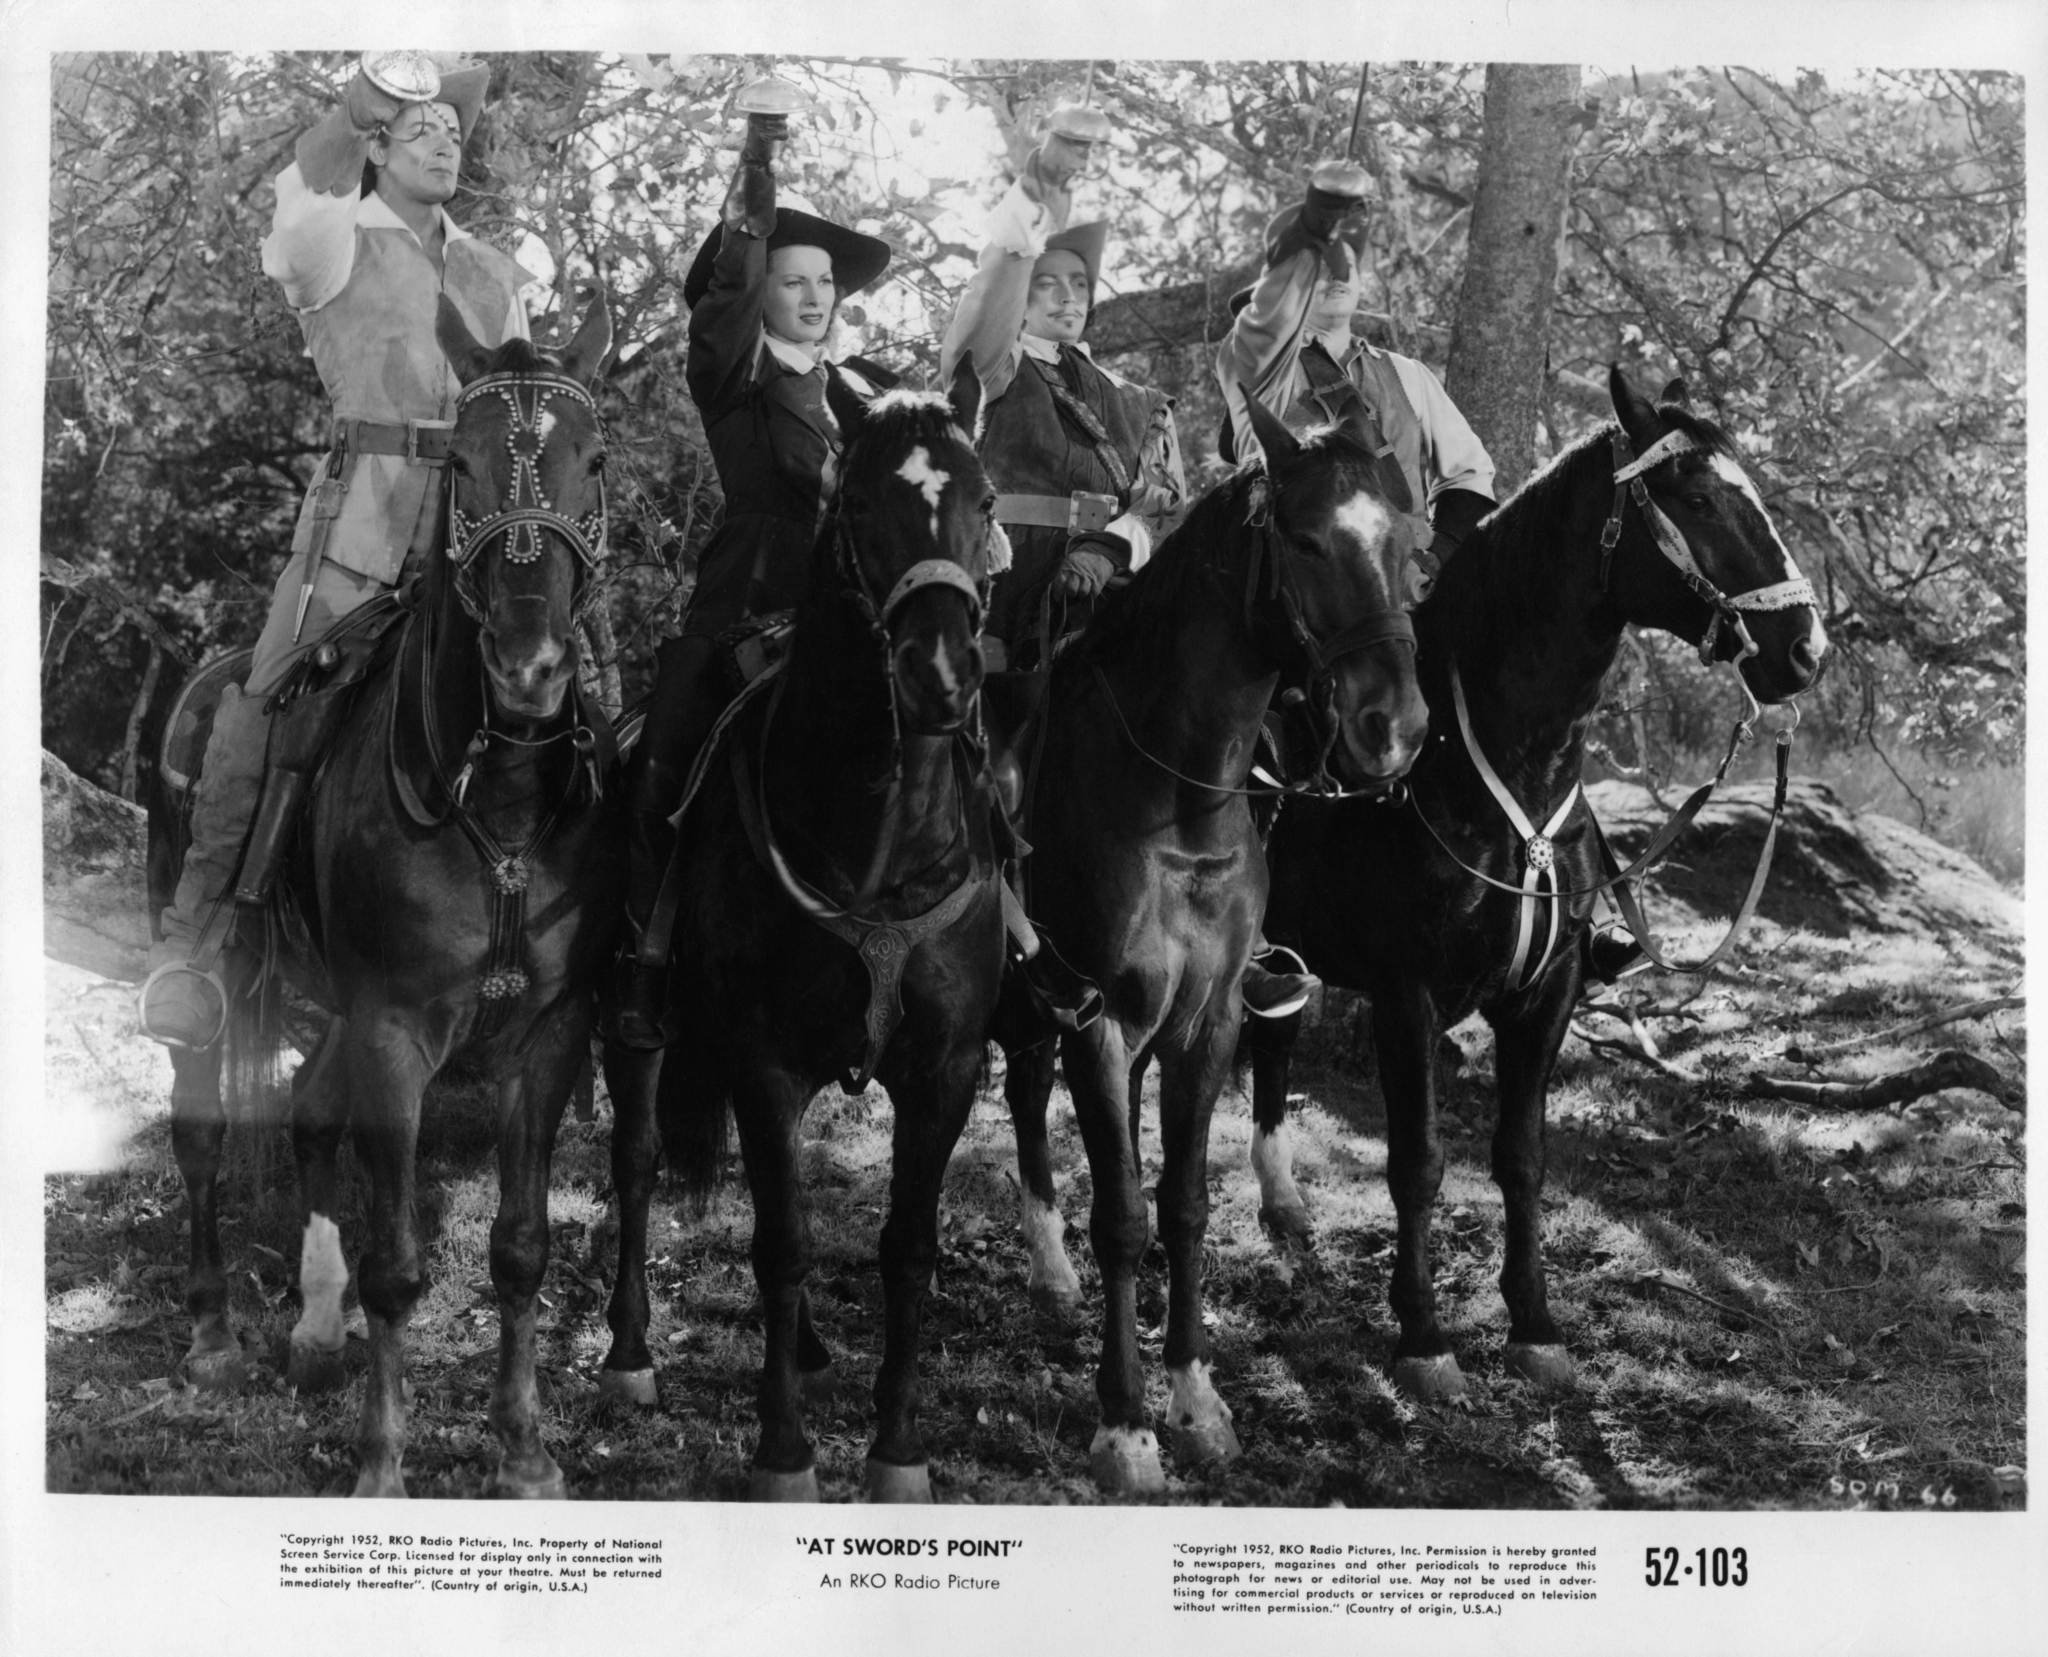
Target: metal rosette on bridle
<point>531,513</point>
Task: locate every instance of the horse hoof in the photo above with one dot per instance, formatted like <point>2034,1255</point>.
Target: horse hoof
<point>316,1368</point>
<point>387,1482</point>
<point>764,1486</point>
<point>538,1480</point>
<point>217,1368</point>
<point>1061,1308</point>
<point>1547,1367</point>
<point>628,1386</point>
<point>887,1482</point>
<point>1211,1443</point>
<point>1124,1461</point>
<point>1288,1223</point>
<point>819,1386</point>
<point>1435,1380</point>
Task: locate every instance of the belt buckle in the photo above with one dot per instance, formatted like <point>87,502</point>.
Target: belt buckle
<point>1083,505</point>
<point>414,429</point>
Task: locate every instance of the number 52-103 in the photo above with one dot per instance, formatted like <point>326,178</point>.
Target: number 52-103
<point>1710,1568</point>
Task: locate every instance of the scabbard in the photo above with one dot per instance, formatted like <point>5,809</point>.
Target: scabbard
<point>327,500</point>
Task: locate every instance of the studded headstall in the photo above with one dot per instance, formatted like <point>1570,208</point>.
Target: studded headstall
<point>531,514</point>
<point>1727,608</point>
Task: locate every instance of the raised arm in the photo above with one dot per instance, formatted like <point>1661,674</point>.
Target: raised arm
<point>990,315</point>
<point>725,324</point>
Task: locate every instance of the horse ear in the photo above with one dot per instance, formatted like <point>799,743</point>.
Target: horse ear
<point>469,359</point>
<point>593,341</point>
<point>965,394</point>
<point>1638,417</point>
<point>1279,444</point>
<point>1676,392</point>
<point>848,407</point>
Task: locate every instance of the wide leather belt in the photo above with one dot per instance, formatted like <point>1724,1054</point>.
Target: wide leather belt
<point>422,442</point>
<point>1076,513</point>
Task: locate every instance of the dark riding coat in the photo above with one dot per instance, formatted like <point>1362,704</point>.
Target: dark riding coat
<point>773,438</point>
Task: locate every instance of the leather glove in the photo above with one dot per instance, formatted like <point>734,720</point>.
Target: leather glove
<point>1084,572</point>
<point>331,154</point>
<point>750,202</point>
<point>1452,517</point>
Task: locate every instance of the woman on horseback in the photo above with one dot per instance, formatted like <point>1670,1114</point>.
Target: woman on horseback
<point>364,249</point>
<point>763,292</point>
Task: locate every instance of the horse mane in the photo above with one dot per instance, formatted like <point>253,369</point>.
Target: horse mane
<point>902,418</point>
<point>1506,572</point>
<point>1145,613</point>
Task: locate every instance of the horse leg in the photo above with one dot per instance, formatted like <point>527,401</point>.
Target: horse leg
<point>531,1100</point>
<point>1405,1030</point>
<point>1526,1049</point>
<point>815,1375</point>
<point>199,1126</point>
<point>1198,1420</point>
<point>1124,1457</point>
<point>1281,1209</point>
<point>386,1072</point>
<point>1055,1286</point>
<point>768,1106</point>
<point>931,1109</point>
<point>1135,1093</point>
<point>630,1076</point>
<point>319,1114</point>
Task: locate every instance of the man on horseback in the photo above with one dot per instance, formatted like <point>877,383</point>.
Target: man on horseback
<point>364,249</point>
<point>763,292</point>
<point>1291,343</point>
<point>1088,465</point>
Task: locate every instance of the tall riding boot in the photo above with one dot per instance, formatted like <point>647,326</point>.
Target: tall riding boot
<point>299,739</point>
<point>183,1005</point>
<point>685,707</point>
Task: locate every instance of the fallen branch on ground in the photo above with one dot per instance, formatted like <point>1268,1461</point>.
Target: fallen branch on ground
<point>1602,1044</point>
<point>1949,1068</point>
<point>1664,1280</point>
<point>1968,1009</point>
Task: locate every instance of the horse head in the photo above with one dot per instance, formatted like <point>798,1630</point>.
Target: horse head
<point>526,504</point>
<point>1703,559</point>
<point>1342,566</point>
<point>915,530</point>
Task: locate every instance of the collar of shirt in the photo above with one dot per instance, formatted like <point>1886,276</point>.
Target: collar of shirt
<point>1048,350</point>
<point>1344,345</point>
<point>791,357</point>
<point>374,213</point>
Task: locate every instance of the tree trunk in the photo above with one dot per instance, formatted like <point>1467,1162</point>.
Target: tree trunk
<point>1503,330</point>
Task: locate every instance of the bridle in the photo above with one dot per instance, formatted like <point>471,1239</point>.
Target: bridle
<point>1727,607</point>
<point>531,515</point>
<point>1271,577</point>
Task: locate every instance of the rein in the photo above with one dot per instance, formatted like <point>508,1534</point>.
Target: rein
<point>523,524</point>
<point>1539,872</point>
<point>1271,568</point>
<point>1727,607</point>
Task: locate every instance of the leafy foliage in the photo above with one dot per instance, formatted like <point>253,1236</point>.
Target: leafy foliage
<point>1834,263</point>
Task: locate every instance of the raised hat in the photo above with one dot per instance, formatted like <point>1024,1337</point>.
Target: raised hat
<point>857,260</point>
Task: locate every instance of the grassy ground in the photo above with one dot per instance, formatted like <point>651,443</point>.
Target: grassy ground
<point>1771,1307</point>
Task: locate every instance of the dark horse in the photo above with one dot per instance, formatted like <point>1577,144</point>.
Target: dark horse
<point>441,899</point>
<point>1525,622</point>
<point>839,919</point>
<point>1146,871</point>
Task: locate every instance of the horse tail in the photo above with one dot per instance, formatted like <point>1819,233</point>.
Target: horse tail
<point>693,1111</point>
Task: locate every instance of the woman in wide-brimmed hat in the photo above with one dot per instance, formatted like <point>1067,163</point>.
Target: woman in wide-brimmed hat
<point>762,291</point>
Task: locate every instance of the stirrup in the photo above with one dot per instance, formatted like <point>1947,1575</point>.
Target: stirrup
<point>211,979</point>
<point>1276,983</point>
